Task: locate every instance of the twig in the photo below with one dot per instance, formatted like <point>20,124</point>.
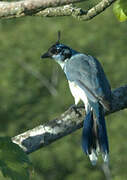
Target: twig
<point>106,170</point>
<point>50,87</point>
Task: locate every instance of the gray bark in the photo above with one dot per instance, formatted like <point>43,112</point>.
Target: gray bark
<point>67,123</point>
<point>50,8</point>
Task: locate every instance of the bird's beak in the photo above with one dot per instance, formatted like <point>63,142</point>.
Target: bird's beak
<point>45,55</point>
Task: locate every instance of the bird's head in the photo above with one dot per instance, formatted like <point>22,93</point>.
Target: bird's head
<point>58,51</point>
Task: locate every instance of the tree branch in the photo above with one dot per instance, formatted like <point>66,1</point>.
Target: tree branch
<point>67,123</point>
<point>100,7</point>
<point>70,10</point>
<point>50,8</point>
<point>29,7</point>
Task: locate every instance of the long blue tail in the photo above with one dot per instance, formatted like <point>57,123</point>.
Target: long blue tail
<point>94,136</point>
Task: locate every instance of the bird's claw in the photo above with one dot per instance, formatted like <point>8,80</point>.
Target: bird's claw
<point>75,109</point>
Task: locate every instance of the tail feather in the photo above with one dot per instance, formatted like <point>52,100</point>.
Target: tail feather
<point>94,136</point>
<point>93,157</point>
<point>102,133</point>
<point>87,138</point>
<point>105,157</point>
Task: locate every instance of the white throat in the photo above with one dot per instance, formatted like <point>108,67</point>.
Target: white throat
<point>58,59</point>
<point>62,64</point>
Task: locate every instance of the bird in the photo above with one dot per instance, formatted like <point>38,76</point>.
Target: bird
<point>88,83</point>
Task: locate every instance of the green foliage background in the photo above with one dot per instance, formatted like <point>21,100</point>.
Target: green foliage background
<point>25,102</point>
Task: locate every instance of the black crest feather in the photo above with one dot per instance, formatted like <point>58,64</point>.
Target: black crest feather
<point>59,35</point>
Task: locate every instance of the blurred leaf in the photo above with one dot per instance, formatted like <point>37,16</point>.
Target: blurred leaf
<point>120,10</point>
<point>13,161</point>
<point>123,4</point>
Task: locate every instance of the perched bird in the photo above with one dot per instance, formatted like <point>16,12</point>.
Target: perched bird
<point>87,82</point>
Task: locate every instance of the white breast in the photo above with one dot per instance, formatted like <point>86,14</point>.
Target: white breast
<point>78,93</point>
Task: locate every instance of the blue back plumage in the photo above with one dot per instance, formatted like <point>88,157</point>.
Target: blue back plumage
<point>88,74</point>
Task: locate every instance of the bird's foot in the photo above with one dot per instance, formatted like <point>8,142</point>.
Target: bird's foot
<point>75,109</point>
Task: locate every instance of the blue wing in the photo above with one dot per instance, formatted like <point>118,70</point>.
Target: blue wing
<point>88,74</point>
